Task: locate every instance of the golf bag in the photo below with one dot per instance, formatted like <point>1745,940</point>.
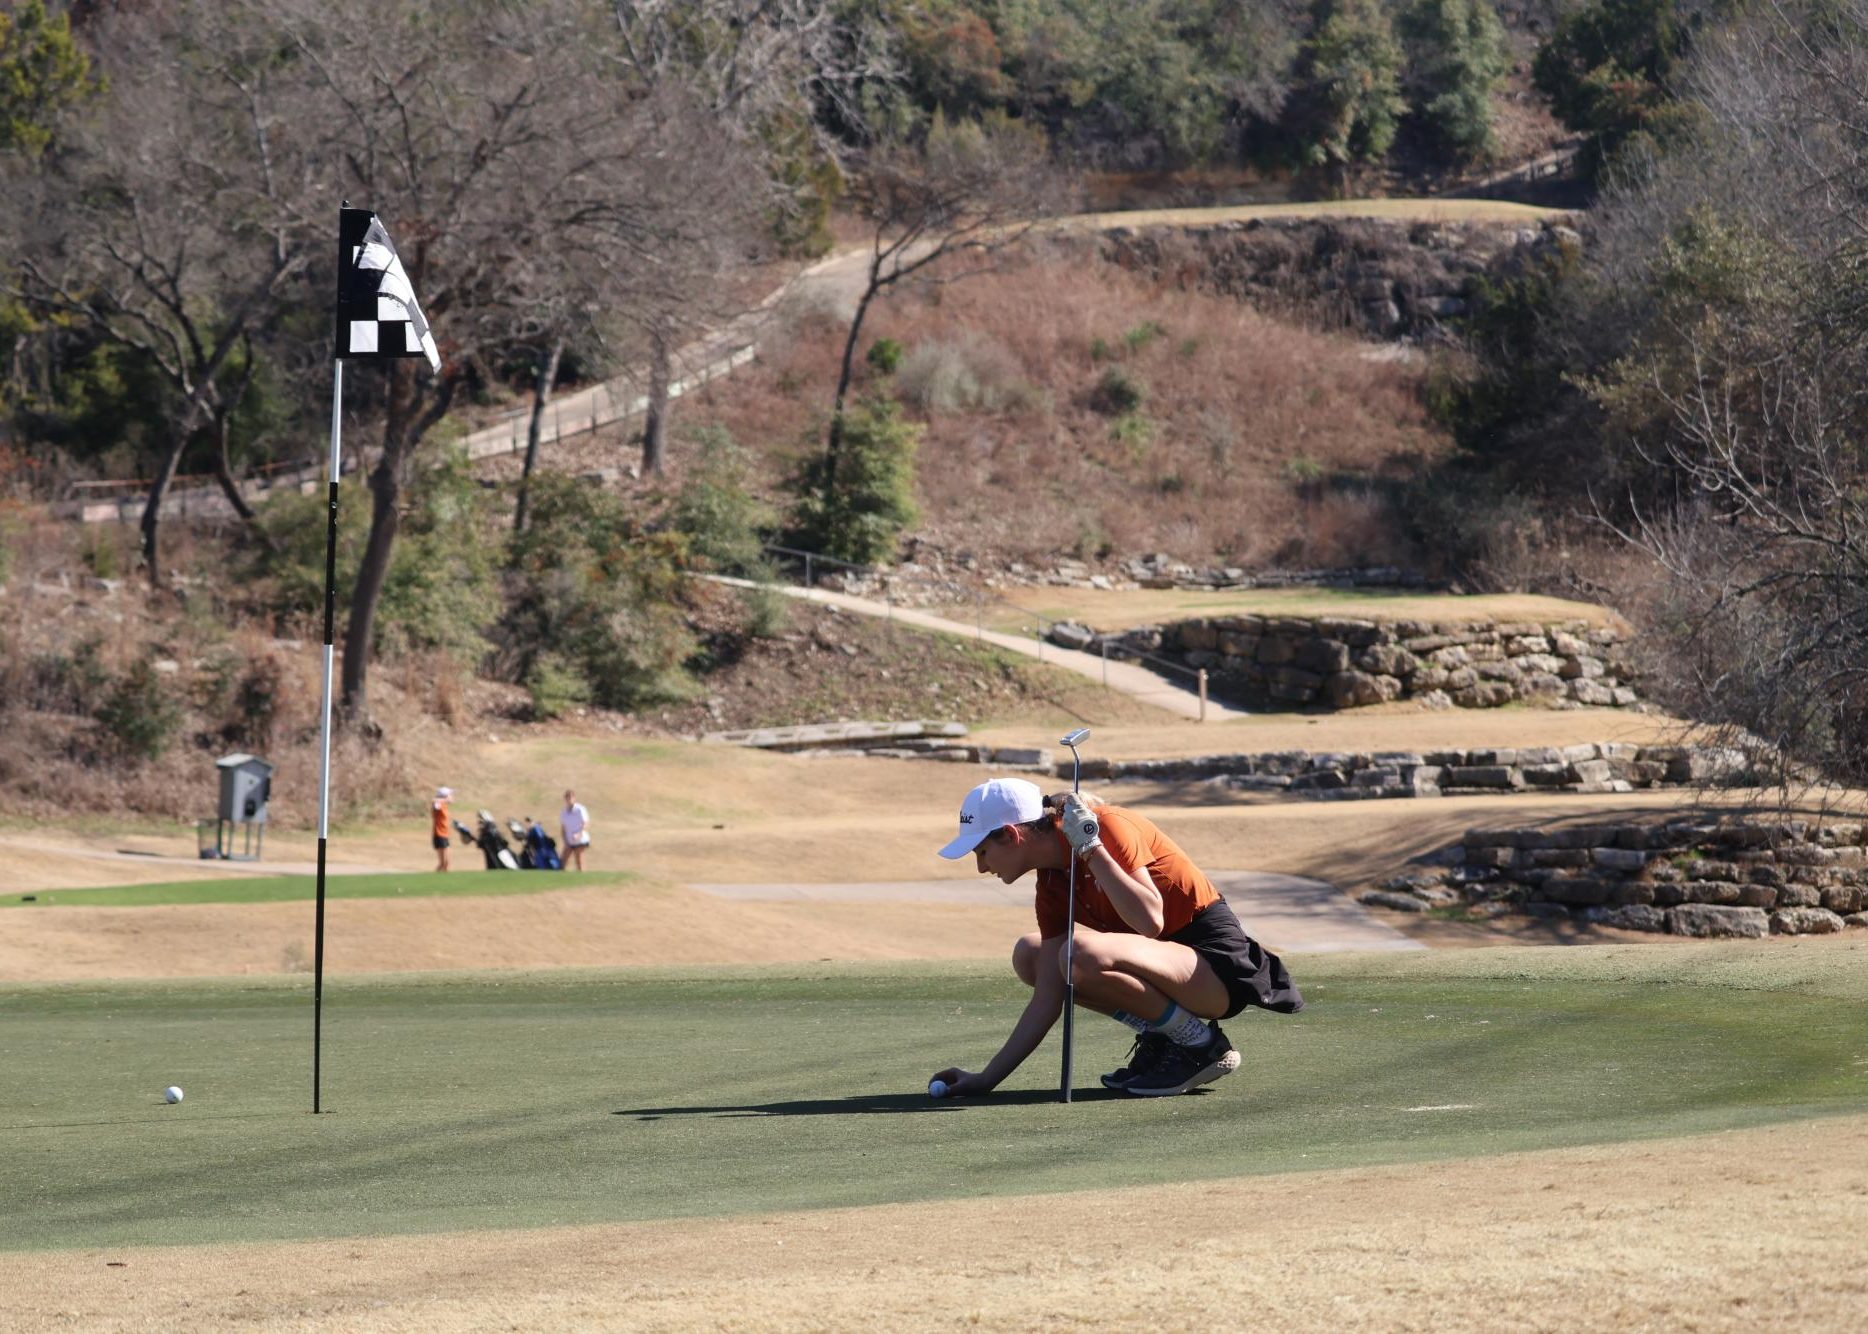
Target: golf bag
<point>542,848</point>
<point>493,846</point>
<point>537,850</point>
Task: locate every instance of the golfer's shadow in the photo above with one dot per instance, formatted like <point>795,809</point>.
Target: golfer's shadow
<point>868,1104</point>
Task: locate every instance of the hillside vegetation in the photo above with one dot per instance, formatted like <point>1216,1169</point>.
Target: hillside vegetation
<point>1074,408</point>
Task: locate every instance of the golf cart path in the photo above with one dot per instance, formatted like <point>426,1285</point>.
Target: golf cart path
<point>1136,682</point>
<point>1289,913</point>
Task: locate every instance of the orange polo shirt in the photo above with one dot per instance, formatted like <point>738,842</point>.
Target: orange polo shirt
<point>1133,841</point>
<point>441,818</point>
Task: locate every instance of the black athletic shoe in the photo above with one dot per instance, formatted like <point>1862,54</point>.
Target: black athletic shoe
<point>1183,1068</point>
<point>1148,1048</point>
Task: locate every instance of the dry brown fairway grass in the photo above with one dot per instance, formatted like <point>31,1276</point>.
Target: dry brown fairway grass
<point>1753,1229</point>
<point>643,924</point>
<point>1351,845</point>
<point>1120,609</point>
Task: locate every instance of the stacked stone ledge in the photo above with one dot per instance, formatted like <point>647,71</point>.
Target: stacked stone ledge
<point>1683,877</point>
<point>1339,663</point>
<point>1585,767</point>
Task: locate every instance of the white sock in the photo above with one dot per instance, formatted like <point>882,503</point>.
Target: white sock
<point>1183,1028</point>
<point>1134,1021</point>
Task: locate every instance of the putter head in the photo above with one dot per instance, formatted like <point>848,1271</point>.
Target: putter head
<point>1074,739</point>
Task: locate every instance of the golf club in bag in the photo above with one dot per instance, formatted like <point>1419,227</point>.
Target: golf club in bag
<point>1073,740</point>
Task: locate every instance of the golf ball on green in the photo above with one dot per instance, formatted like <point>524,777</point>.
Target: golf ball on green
<point>937,1088</point>
<point>173,1093</point>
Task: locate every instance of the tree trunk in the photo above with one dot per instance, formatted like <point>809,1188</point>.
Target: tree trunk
<point>385,519</point>
<point>223,473</point>
<point>152,509</point>
<point>655,424</point>
<point>541,396</point>
<point>835,443</point>
<point>403,430</point>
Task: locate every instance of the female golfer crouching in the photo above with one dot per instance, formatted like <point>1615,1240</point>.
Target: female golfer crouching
<point>1156,947</point>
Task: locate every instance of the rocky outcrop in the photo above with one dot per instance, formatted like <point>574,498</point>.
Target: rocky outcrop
<point>1741,878</point>
<point>1289,662</point>
<point>1586,767</point>
<point>1389,278</point>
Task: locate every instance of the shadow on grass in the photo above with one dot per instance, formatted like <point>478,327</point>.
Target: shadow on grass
<point>866,1104</point>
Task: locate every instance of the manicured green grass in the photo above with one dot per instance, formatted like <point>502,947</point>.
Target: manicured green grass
<point>509,1100</point>
<point>291,888</point>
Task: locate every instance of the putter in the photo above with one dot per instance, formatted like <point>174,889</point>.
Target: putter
<point>1073,740</point>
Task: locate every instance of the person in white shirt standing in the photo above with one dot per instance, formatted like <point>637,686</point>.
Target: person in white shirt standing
<point>574,824</point>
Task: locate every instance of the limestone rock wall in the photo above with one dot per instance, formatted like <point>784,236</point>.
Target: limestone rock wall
<point>1389,278</point>
<point>1685,877</point>
<point>1298,662</point>
<point>1586,767</point>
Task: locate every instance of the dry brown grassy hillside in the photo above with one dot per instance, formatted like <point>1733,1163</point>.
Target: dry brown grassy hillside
<point>1073,407</point>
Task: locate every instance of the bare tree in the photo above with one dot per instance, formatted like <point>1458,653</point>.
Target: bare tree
<point>172,222</point>
<point>1741,396</point>
<point>740,85</point>
<point>454,125</point>
<point>967,190</point>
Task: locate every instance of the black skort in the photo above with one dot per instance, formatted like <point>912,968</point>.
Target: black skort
<point>1253,974</point>
<point>440,842</point>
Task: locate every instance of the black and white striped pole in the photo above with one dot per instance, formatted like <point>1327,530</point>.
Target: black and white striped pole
<point>376,318</point>
<point>333,472</point>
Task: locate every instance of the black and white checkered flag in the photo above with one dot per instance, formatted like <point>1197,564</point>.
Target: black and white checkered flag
<point>378,317</point>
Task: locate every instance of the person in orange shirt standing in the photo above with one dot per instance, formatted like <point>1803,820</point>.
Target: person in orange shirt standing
<point>1156,947</point>
<point>441,826</point>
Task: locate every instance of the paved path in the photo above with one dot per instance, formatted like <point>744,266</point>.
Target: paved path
<point>1175,695</point>
<point>1289,913</point>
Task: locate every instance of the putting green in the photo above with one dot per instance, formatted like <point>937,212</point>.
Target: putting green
<point>290,888</point>
<point>516,1100</point>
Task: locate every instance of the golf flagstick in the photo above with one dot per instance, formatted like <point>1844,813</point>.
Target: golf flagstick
<point>375,318</point>
<point>324,733</point>
<point>1071,739</point>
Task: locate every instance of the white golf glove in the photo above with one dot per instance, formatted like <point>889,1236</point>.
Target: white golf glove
<point>1081,827</point>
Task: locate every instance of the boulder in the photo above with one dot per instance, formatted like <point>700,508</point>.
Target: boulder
<point>1707,920</point>
<point>1632,917</point>
<point>1197,635</point>
<point>1576,891</point>
<point>1322,656</point>
<point>1484,775</point>
<point>1383,898</point>
<point>1275,650</point>
<point>1843,899</point>
<point>1484,695</point>
<point>1585,691</point>
<point>1349,689</point>
<point>1805,922</point>
<point>1386,660</point>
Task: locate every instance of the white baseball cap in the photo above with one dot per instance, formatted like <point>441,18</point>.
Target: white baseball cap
<point>444,792</point>
<point>993,805</point>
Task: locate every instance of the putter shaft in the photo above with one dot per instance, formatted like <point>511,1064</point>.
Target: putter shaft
<point>1073,740</point>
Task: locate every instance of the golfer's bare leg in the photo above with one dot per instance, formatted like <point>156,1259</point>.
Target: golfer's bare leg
<point>1116,971</point>
<point>1025,957</point>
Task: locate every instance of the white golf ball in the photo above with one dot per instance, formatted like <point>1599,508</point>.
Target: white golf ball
<point>173,1093</point>
<point>937,1088</point>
